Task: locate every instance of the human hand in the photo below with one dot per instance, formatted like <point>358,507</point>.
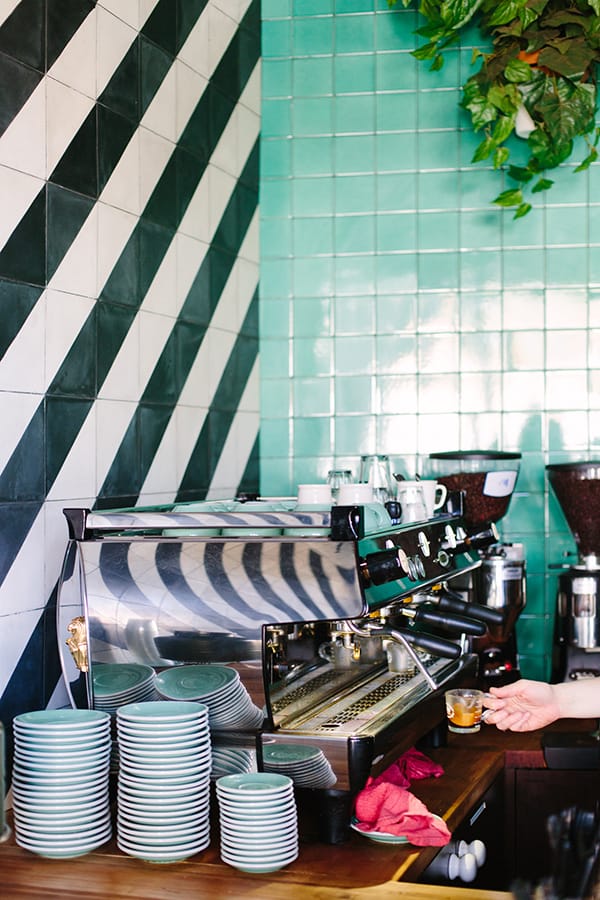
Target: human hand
<point>522,706</point>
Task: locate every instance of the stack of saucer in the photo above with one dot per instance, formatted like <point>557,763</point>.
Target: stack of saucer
<point>60,781</point>
<point>230,706</point>
<point>116,684</point>
<point>306,765</point>
<point>232,761</point>
<point>258,821</point>
<point>164,780</point>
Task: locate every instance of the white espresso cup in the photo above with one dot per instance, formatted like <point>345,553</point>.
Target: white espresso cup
<point>434,494</point>
<point>314,495</point>
<point>353,494</point>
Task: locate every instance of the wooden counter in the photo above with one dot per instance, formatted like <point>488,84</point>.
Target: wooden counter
<point>356,868</point>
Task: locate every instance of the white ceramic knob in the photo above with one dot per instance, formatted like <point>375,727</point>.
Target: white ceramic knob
<point>479,851</point>
<point>462,867</point>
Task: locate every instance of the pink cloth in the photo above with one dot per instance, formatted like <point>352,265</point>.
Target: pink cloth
<point>387,806</point>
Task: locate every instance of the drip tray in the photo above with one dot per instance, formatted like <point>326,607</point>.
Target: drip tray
<point>385,697</point>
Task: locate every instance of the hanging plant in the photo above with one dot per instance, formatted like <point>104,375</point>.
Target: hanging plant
<point>538,81</point>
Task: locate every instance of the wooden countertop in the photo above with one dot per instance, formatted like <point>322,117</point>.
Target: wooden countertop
<point>356,868</point>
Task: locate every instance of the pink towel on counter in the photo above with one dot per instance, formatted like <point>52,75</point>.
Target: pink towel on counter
<point>385,804</point>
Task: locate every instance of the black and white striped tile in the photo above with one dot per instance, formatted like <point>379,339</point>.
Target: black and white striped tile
<point>128,280</point>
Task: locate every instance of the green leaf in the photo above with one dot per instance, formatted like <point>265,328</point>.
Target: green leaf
<point>505,11</point>
<point>517,71</point>
<point>501,154</point>
<point>503,128</point>
<point>484,150</point>
<point>509,198</point>
<point>437,63</point>
<point>544,184</point>
<point>586,163</point>
<point>522,210</point>
<point>595,4</point>
<point>506,98</point>
<point>518,173</point>
<point>427,51</point>
<point>572,61</point>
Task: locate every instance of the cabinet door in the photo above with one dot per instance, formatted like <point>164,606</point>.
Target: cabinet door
<point>538,794</point>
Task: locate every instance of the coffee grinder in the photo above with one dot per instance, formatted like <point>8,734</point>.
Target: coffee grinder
<point>576,654</point>
<point>486,481</point>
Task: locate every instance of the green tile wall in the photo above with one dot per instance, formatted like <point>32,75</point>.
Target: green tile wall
<point>401,312</point>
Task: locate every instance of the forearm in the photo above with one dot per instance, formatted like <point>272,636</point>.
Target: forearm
<point>578,700</point>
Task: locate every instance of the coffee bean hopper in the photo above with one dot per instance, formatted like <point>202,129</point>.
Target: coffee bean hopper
<point>486,481</point>
<point>311,612</point>
<point>576,486</point>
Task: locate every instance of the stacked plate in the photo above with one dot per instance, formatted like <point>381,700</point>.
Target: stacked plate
<point>232,761</point>
<point>307,766</point>
<point>60,781</point>
<point>220,688</point>
<point>258,821</point>
<point>164,780</point>
<point>116,684</point>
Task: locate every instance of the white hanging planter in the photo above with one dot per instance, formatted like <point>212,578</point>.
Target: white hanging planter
<point>524,124</point>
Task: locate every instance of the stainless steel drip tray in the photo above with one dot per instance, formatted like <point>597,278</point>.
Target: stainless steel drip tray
<point>370,706</point>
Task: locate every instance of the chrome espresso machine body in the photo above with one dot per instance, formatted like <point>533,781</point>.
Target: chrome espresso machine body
<point>312,610</point>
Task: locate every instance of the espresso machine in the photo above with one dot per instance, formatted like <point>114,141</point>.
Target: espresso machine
<point>486,481</point>
<point>313,609</point>
<point>576,486</point>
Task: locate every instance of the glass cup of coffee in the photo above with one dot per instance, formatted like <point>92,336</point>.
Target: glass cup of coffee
<point>464,707</point>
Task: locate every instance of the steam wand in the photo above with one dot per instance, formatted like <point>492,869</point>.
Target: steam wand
<point>400,639</point>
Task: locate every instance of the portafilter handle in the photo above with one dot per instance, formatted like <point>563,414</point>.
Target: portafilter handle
<point>452,602</point>
<point>429,614</point>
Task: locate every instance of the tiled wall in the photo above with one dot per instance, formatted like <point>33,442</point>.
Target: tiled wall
<point>401,312</point>
<point>128,281</point>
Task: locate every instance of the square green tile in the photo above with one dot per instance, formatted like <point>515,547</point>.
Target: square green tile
<point>276,118</point>
<point>396,354</point>
<point>480,352</point>
<point>396,313</point>
<point>396,113</point>
<point>312,156</point>
<point>276,37</point>
<point>397,394</point>
<point>354,33</point>
<point>353,394</point>
<point>275,198</point>
<point>438,231</point>
<point>312,35</point>
<point>313,277</point>
<point>312,397</point>
<point>396,72</point>
<point>276,278</point>
<point>354,234</point>
<point>355,274</point>
<point>312,76</point>
<point>313,236</point>
<point>354,154</point>
<point>354,434</point>
<point>354,73</point>
<point>354,315</point>
<point>312,435</point>
<point>276,78</point>
<point>396,231</point>
<point>481,269</point>
<point>313,196</point>
<point>436,270</point>
<point>274,318</point>
<point>275,158</point>
<point>354,354</point>
<point>312,317</point>
<point>313,357</point>
<point>355,114</point>
<point>480,310</point>
<point>355,193</point>
<point>276,236</point>
<point>312,116</point>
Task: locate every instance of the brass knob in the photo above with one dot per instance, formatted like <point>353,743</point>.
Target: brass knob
<point>77,643</point>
